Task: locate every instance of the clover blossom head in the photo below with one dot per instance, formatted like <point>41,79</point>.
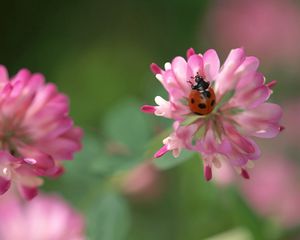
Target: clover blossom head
<point>46,217</point>
<point>36,132</point>
<point>240,110</point>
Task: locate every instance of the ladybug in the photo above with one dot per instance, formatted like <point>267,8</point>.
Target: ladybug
<point>202,98</point>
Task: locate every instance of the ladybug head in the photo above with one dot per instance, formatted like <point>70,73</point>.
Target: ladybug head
<point>201,84</point>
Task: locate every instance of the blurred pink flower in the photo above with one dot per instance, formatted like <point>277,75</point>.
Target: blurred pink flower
<point>36,132</point>
<point>275,190</point>
<point>143,182</point>
<point>267,28</point>
<point>240,110</point>
<point>43,218</point>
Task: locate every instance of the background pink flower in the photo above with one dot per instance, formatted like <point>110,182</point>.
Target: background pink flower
<point>43,218</point>
<point>143,182</point>
<point>36,133</point>
<point>268,29</point>
<point>274,190</point>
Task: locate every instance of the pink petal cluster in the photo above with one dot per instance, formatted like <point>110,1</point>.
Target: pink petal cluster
<point>43,218</point>
<point>36,133</point>
<point>241,110</point>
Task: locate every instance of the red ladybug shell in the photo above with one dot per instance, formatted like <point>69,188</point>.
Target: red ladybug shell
<point>202,102</point>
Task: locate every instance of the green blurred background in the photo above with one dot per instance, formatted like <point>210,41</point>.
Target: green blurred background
<point>98,53</point>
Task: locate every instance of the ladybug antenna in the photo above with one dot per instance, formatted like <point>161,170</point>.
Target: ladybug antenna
<point>190,82</point>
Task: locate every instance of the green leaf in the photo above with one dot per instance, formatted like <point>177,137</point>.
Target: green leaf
<point>126,125</point>
<point>167,161</point>
<point>126,131</point>
<point>109,218</point>
<point>79,173</point>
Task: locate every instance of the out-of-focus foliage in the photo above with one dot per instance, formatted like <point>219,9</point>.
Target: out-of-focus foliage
<point>98,53</point>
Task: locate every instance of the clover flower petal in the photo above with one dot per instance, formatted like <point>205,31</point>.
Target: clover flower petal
<point>36,132</point>
<point>240,111</point>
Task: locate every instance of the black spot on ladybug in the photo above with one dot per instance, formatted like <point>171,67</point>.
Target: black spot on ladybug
<point>202,105</point>
<point>212,103</point>
<point>192,100</point>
